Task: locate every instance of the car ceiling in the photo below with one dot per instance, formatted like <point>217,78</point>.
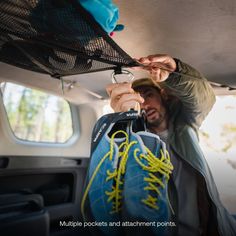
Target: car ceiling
<point>201,33</point>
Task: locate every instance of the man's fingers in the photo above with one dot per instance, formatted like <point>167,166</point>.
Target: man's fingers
<point>128,105</point>
<point>164,75</point>
<point>159,75</point>
<point>144,60</point>
<point>158,58</point>
<point>153,58</point>
<point>124,88</point>
<point>163,61</point>
<point>156,75</point>
<point>123,97</point>
<point>115,90</point>
<point>131,97</point>
<point>124,100</point>
<point>110,87</point>
<point>137,67</point>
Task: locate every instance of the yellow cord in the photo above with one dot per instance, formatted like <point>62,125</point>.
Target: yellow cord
<point>112,175</point>
<point>115,194</point>
<point>90,183</point>
<point>151,202</point>
<point>121,172</point>
<point>155,164</point>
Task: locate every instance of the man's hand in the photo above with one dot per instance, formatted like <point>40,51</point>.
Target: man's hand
<point>159,66</point>
<point>123,97</point>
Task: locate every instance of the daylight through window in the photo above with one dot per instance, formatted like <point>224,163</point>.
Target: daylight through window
<point>218,142</point>
<point>36,116</point>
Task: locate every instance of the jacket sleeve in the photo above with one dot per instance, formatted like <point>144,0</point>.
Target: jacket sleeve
<point>195,94</point>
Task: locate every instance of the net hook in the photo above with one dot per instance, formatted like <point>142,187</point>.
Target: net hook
<point>119,71</point>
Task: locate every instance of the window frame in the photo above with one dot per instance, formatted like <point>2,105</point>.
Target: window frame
<point>74,120</point>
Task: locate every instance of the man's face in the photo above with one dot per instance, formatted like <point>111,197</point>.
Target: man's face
<point>153,105</point>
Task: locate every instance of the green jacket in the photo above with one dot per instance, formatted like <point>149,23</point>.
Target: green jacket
<point>195,98</point>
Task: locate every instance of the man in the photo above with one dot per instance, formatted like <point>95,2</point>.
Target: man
<point>175,107</point>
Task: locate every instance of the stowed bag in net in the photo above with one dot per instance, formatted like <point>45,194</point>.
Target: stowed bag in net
<point>127,177</point>
<point>56,37</point>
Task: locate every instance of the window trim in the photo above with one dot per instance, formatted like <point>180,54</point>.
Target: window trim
<point>70,141</point>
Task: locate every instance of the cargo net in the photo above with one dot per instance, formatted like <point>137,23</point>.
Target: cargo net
<point>56,37</point>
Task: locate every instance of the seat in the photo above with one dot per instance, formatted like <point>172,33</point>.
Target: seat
<point>23,214</point>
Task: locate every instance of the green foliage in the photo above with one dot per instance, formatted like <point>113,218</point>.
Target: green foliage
<point>229,134</point>
<point>37,116</point>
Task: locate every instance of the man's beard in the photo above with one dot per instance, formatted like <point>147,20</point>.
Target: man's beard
<point>157,122</point>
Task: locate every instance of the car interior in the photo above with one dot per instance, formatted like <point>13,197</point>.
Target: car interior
<point>47,114</point>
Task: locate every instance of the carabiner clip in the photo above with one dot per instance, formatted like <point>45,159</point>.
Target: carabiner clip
<point>130,76</point>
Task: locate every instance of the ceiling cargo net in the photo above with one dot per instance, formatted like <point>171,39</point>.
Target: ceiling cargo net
<point>56,37</point>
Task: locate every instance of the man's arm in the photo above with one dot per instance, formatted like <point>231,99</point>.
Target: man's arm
<point>195,94</point>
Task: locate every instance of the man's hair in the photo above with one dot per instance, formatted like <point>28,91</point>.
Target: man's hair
<point>145,82</point>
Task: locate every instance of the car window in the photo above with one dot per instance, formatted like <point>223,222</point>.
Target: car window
<point>218,142</point>
<point>36,116</point>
